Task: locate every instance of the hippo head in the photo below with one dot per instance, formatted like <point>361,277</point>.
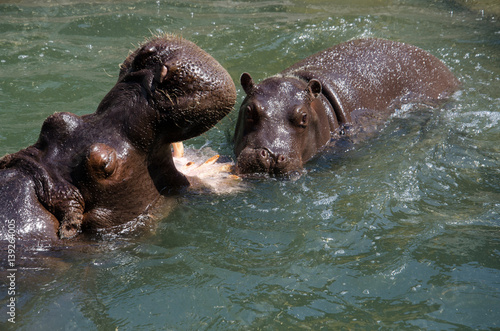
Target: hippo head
<point>281,124</point>
<point>106,168</point>
<point>188,90</point>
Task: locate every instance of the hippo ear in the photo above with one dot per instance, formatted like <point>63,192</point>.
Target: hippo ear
<point>102,161</point>
<point>314,88</point>
<point>247,83</point>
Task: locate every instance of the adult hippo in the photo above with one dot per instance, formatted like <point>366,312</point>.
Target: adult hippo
<point>287,118</point>
<point>106,168</point>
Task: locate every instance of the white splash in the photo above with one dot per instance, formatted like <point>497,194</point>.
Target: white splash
<point>205,173</point>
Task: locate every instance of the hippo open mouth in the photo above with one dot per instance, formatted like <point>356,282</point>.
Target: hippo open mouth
<point>106,168</point>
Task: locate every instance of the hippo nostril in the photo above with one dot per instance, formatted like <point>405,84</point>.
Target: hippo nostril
<point>264,154</point>
<point>281,158</point>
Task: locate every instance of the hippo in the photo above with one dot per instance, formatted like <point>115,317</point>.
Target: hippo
<point>334,94</point>
<point>104,169</point>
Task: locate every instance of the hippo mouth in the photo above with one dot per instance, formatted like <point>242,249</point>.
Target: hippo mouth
<point>256,162</point>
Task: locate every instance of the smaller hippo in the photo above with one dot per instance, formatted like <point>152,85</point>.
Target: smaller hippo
<point>106,168</point>
<point>286,119</point>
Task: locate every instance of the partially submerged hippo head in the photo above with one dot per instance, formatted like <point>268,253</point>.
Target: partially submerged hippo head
<point>106,168</point>
<point>282,124</point>
<point>344,90</point>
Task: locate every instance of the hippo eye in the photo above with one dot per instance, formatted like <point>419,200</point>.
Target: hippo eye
<point>300,118</point>
<point>303,120</point>
<point>251,114</point>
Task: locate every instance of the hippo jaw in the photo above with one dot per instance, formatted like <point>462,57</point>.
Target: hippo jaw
<point>279,126</point>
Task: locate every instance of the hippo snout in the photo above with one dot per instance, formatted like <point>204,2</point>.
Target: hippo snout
<point>262,160</point>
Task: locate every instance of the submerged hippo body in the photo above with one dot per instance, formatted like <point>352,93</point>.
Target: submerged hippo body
<point>287,118</point>
<point>106,168</point>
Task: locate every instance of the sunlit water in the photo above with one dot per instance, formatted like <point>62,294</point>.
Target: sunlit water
<point>401,231</point>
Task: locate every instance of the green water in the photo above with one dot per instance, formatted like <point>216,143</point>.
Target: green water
<point>399,232</point>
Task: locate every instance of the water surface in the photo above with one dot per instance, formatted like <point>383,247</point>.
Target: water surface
<point>398,232</point>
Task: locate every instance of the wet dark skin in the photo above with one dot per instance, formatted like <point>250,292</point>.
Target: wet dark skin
<point>104,169</point>
<point>352,87</point>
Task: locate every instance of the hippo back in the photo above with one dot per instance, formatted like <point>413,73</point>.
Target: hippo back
<point>378,74</point>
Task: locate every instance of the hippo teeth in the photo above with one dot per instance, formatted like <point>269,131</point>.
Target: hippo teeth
<point>164,72</point>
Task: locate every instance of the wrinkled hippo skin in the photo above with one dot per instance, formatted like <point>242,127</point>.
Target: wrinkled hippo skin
<point>286,119</point>
<point>104,169</point>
